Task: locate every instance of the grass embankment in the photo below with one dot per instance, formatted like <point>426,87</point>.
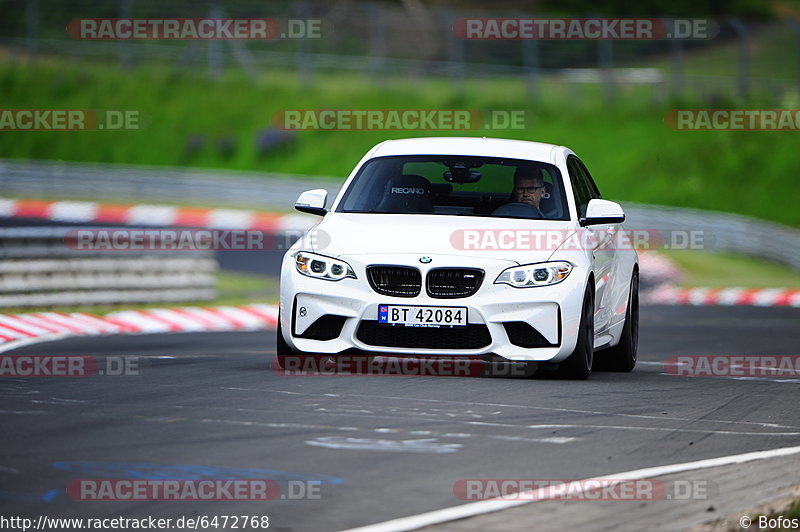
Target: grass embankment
<point>725,270</point>
<point>784,521</point>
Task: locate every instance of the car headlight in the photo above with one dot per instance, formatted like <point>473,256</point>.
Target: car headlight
<point>541,274</point>
<point>322,267</point>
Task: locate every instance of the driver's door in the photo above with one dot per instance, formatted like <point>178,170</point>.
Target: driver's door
<point>599,240</point>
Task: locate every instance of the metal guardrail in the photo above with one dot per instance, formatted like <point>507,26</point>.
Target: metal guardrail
<point>719,231</point>
<point>141,183</point>
<point>38,268</point>
<point>722,231</point>
<point>644,76</point>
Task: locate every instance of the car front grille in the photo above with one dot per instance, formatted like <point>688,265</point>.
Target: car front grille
<point>404,281</point>
<point>397,281</point>
<point>474,336</point>
<point>453,282</point>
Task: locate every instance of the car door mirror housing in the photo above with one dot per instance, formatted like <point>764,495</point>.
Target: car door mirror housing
<point>600,211</point>
<point>313,202</point>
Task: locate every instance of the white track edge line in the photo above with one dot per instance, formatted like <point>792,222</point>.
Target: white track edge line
<point>16,344</point>
<point>472,509</point>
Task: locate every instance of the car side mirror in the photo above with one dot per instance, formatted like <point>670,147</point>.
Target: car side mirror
<point>313,202</point>
<point>600,211</point>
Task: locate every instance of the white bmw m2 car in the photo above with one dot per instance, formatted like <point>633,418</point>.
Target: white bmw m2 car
<point>468,248</point>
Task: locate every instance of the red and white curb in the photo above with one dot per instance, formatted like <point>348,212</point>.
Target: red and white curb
<point>758,297</point>
<point>17,330</point>
<point>152,215</point>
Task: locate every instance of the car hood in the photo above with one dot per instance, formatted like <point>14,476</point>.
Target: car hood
<point>514,240</point>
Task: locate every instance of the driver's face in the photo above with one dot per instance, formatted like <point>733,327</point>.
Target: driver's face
<point>528,190</point>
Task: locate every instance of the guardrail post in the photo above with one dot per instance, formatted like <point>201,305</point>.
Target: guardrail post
<point>377,42</point>
<point>304,59</point>
<point>744,56</point>
<point>215,52</point>
<point>530,62</point>
<point>676,47</point>
<point>795,27</point>
<point>605,62</point>
<point>124,46</point>
<point>455,53</point>
<point>32,29</point>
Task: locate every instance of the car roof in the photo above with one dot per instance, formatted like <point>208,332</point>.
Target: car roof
<point>480,146</point>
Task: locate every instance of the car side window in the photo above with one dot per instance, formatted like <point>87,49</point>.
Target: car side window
<point>580,190</point>
<point>594,192</point>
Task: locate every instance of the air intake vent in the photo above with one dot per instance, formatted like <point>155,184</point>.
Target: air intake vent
<point>473,336</point>
<point>453,282</point>
<point>397,281</point>
<point>523,335</point>
<point>327,327</point>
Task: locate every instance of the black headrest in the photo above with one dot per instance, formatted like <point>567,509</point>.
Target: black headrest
<point>407,181</point>
<point>407,193</point>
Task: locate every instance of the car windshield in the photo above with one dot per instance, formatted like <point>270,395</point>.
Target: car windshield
<point>457,186</point>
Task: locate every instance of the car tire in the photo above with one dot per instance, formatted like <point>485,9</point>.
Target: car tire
<point>578,365</point>
<point>287,357</point>
<point>622,357</point>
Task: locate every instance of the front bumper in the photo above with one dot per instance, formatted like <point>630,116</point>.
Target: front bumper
<point>553,311</point>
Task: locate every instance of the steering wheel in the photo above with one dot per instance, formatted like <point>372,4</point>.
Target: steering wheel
<point>518,210</point>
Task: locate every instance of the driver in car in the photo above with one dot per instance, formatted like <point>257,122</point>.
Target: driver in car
<point>528,188</point>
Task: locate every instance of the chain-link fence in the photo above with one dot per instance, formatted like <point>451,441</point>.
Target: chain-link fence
<point>411,39</point>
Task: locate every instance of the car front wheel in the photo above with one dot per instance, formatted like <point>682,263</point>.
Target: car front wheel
<point>622,357</point>
<point>288,358</point>
<point>579,364</point>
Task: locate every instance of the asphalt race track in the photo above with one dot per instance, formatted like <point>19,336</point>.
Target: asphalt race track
<point>382,446</point>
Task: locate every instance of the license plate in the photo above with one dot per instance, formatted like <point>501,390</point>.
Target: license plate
<point>422,316</point>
